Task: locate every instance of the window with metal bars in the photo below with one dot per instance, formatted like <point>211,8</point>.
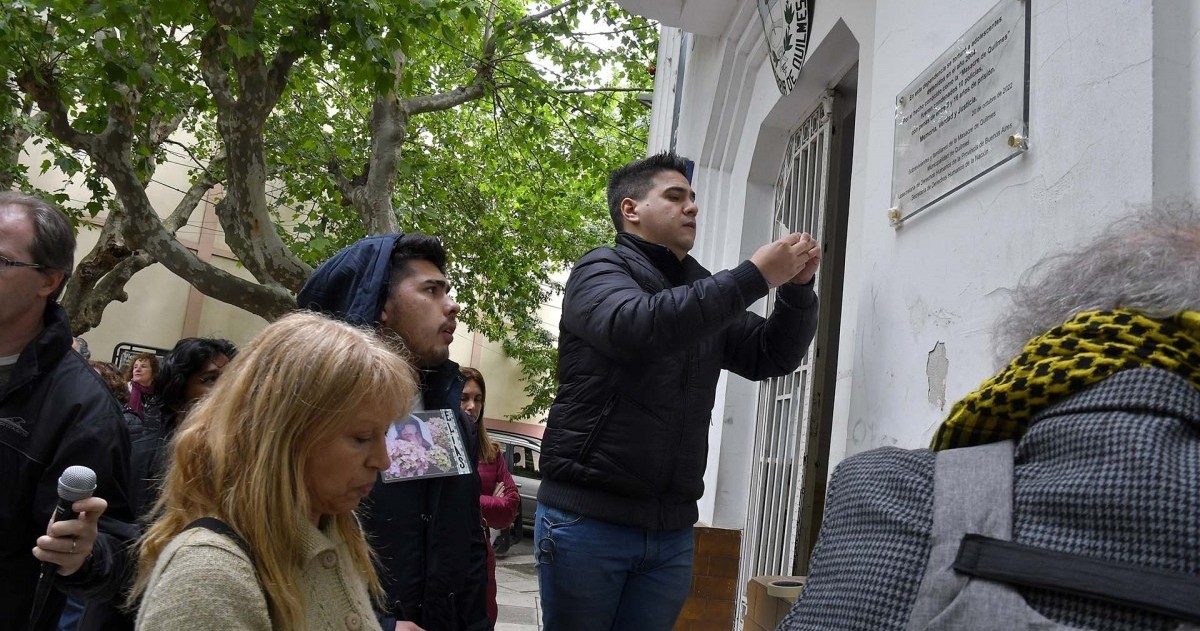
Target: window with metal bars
<point>785,403</point>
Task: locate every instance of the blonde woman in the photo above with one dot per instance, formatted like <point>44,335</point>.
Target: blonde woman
<point>273,463</point>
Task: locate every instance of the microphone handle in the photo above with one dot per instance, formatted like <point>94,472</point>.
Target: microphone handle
<point>62,511</point>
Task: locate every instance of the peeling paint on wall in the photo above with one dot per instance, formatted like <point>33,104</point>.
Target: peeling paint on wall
<point>937,366</point>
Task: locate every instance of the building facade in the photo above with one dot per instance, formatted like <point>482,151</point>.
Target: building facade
<point>1108,119</point>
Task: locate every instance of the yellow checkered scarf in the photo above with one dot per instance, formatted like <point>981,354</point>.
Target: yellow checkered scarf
<point>1064,360</point>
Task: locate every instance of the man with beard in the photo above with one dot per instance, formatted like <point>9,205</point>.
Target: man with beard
<point>427,532</point>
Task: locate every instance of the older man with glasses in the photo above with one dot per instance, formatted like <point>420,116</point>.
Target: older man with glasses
<point>55,412</point>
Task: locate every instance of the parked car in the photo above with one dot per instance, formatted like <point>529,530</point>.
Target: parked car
<point>521,445</point>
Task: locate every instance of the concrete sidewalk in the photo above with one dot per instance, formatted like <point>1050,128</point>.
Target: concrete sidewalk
<point>517,589</point>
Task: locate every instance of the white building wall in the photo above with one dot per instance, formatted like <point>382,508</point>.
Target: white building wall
<point>941,278</point>
<point>1113,113</point>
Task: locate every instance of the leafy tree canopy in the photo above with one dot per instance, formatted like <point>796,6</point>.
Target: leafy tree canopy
<point>491,124</point>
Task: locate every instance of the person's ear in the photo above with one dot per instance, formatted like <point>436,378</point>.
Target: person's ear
<point>629,211</point>
<point>51,280</point>
<point>383,311</point>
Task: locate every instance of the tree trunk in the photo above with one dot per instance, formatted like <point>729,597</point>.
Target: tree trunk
<point>84,299</point>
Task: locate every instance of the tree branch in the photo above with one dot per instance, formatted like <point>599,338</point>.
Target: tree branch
<point>187,205</point>
<point>215,76</point>
<point>12,141</point>
<point>144,229</point>
<point>243,211</point>
<point>82,297</point>
<point>100,278</point>
<point>592,90</point>
<point>160,130</point>
<point>219,158</point>
<point>345,185</point>
<point>277,74</point>
<point>373,199</point>
<point>42,87</point>
<point>551,11</point>
<point>444,100</point>
<point>489,43</point>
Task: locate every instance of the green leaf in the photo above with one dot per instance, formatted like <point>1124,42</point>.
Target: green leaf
<point>241,47</point>
<point>319,244</point>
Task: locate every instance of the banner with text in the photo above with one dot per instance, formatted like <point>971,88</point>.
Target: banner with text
<point>966,114</point>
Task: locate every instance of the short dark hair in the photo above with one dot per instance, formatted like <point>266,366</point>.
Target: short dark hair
<point>189,356</point>
<point>414,246</point>
<point>53,242</point>
<point>636,179</point>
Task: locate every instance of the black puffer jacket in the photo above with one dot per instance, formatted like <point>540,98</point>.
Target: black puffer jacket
<point>56,412</point>
<point>149,453</point>
<point>642,342</point>
<point>429,542</point>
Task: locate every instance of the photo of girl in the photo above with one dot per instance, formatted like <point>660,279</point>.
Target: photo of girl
<point>423,444</point>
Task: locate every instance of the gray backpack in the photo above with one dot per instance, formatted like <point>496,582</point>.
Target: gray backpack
<point>1090,521</point>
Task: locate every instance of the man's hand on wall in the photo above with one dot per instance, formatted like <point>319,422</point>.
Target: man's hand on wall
<point>805,275</point>
<point>794,258</point>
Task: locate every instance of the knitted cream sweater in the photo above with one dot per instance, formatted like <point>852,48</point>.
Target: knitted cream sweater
<point>203,581</point>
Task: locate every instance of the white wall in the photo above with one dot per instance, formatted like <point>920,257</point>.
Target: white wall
<point>1114,109</point>
<point>941,278</point>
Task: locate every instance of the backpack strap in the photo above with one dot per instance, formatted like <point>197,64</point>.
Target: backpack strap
<point>971,537</point>
<point>972,492</point>
<point>1173,594</point>
<point>224,529</point>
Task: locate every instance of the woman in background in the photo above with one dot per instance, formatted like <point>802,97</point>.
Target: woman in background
<point>140,375</point>
<point>499,499</point>
<point>186,374</point>
<point>119,388</point>
<point>255,527</point>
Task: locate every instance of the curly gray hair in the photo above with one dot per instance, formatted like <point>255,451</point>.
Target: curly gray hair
<point>1148,261</point>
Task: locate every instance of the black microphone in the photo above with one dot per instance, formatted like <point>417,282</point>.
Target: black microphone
<point>76,483</point>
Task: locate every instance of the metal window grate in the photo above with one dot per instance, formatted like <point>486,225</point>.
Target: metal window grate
<point>784,403</point>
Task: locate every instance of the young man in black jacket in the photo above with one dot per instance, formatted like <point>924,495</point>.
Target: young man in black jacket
<point>55,412</point>
<point>645,333</point>
<point>427,532</point>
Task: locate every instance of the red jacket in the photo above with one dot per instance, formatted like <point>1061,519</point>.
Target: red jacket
<point>498,512</point>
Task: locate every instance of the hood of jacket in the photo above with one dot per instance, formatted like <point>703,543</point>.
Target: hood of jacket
<point>352,286</point>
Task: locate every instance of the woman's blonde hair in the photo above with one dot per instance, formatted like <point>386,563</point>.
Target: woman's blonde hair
<point>241,454</point>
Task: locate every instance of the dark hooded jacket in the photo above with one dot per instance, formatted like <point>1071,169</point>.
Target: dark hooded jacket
<point>55,412</point>
<point>642,341</point>
<point>427,533</point>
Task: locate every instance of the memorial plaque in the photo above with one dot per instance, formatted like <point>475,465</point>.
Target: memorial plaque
<point>966,114</point>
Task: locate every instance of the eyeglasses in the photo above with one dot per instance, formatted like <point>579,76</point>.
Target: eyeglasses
<point>6,263</point>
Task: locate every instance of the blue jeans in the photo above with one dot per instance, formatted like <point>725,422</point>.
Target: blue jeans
<point>598,576</point>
